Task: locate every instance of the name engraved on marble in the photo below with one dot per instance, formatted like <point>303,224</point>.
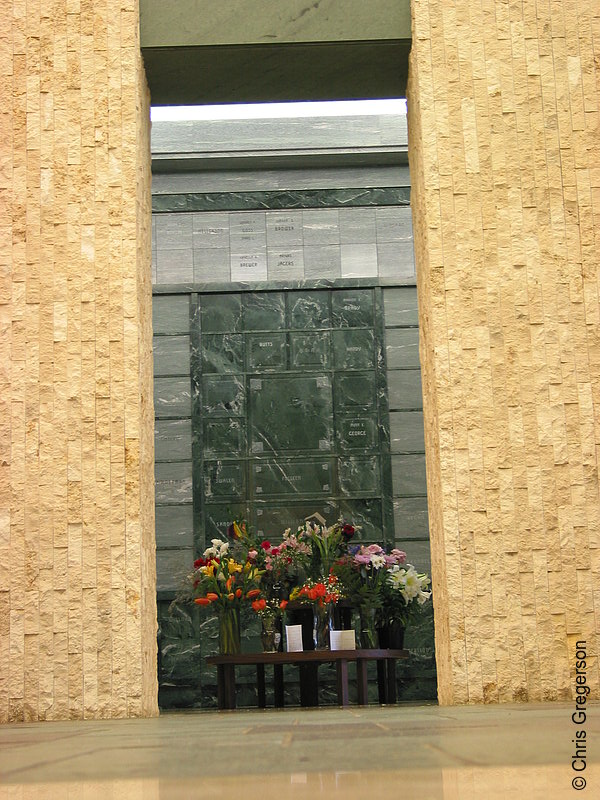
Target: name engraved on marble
<point>225,480</point>
<point>265,344</point>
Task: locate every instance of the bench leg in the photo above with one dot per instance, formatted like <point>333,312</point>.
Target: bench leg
<point>260,683</point>
<point>309,684</point>
<point>362,682</point>
<point>390,688</point>
<point>278,685</point>
<point>381,682</point>
<point>225,686</point>
<point>342,682</point>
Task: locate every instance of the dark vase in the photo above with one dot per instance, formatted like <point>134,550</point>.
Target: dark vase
<point>391,636</point>
<point>303,616</point>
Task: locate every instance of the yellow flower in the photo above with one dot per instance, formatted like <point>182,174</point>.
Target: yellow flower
<point>233,566</point>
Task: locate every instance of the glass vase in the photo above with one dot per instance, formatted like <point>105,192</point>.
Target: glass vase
<point>270,636</point>
<point>229,632</point>
<point>322,624</point>
<point>368,637</point>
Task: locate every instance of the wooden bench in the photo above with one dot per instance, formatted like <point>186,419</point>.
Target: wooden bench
<point>309,661</point>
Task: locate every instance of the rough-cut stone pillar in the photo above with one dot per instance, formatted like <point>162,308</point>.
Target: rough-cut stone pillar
<point>77,583</point>
<point>505,159</point>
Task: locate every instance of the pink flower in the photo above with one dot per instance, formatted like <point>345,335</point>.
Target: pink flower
<point>362,559</point>
<point>252,555</point>
<point>375,549</point>
<point>400,555</point>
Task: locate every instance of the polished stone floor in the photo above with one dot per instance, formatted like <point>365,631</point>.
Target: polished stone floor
<point>479,752</point>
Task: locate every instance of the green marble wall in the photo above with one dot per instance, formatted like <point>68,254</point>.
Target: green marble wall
<point>274,405</point>
<point>289,410</point>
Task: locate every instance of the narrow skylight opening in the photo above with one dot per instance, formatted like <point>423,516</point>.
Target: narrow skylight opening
<point>338,108</point>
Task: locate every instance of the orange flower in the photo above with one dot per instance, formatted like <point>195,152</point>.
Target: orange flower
<point>230,596</point>
<point>259,605</point>
<point>229,582</point>
<point>202,601</point>
<point>283,604</point>
<point>212,596</point>
<point>238,592</point>
<point>252,594</point>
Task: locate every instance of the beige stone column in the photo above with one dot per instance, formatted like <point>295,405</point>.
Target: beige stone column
<point>77,575</point>
<point>505,160</point>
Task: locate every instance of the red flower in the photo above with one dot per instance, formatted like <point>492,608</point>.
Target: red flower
<point>252,593</point>
<point>266,544</point>
<point>348,531</point>
<point>202,601</point>
<point>212,596</point>
<point>283,604</point>
<point>238,593</point>
<point>260,604</point>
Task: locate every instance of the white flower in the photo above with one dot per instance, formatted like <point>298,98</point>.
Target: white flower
<point>423,597</point>
<point>378,561</point>
<point>218,550</point>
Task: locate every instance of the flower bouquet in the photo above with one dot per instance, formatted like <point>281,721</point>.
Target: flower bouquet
<point>226,584</point>
<point>405,591</point>
<point>363,571</point>
<point>326,543</point>
<point>322,595</point>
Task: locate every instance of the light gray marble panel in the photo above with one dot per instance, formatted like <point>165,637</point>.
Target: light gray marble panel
<point>173,482</point>
<point>396,260</point>
<point>321,226</point>
<point>247,231</point>
<point>172,397</point>
<point>402,348</point>
<point>408,475</point>
<point>170,313</point>
<point>174,266</point>
<point>284,265</point>
<point>404,389</point>
<point>173,231</point>
<point>357,226</point>
<point>172,439</point>
<point>400,306</point>
<point>359,260</point>
<point>410,518</point>
<point>172,567</point>
<point>212,266</point>
<point>322,262</point>
<point>249,266</point>
<point>407,432</point>
<point>171,355</point>
<point>284,229</point>
<point>394,224</point>
<point>418,553</point>
<point>174,526</point>
<point>211,230</point>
